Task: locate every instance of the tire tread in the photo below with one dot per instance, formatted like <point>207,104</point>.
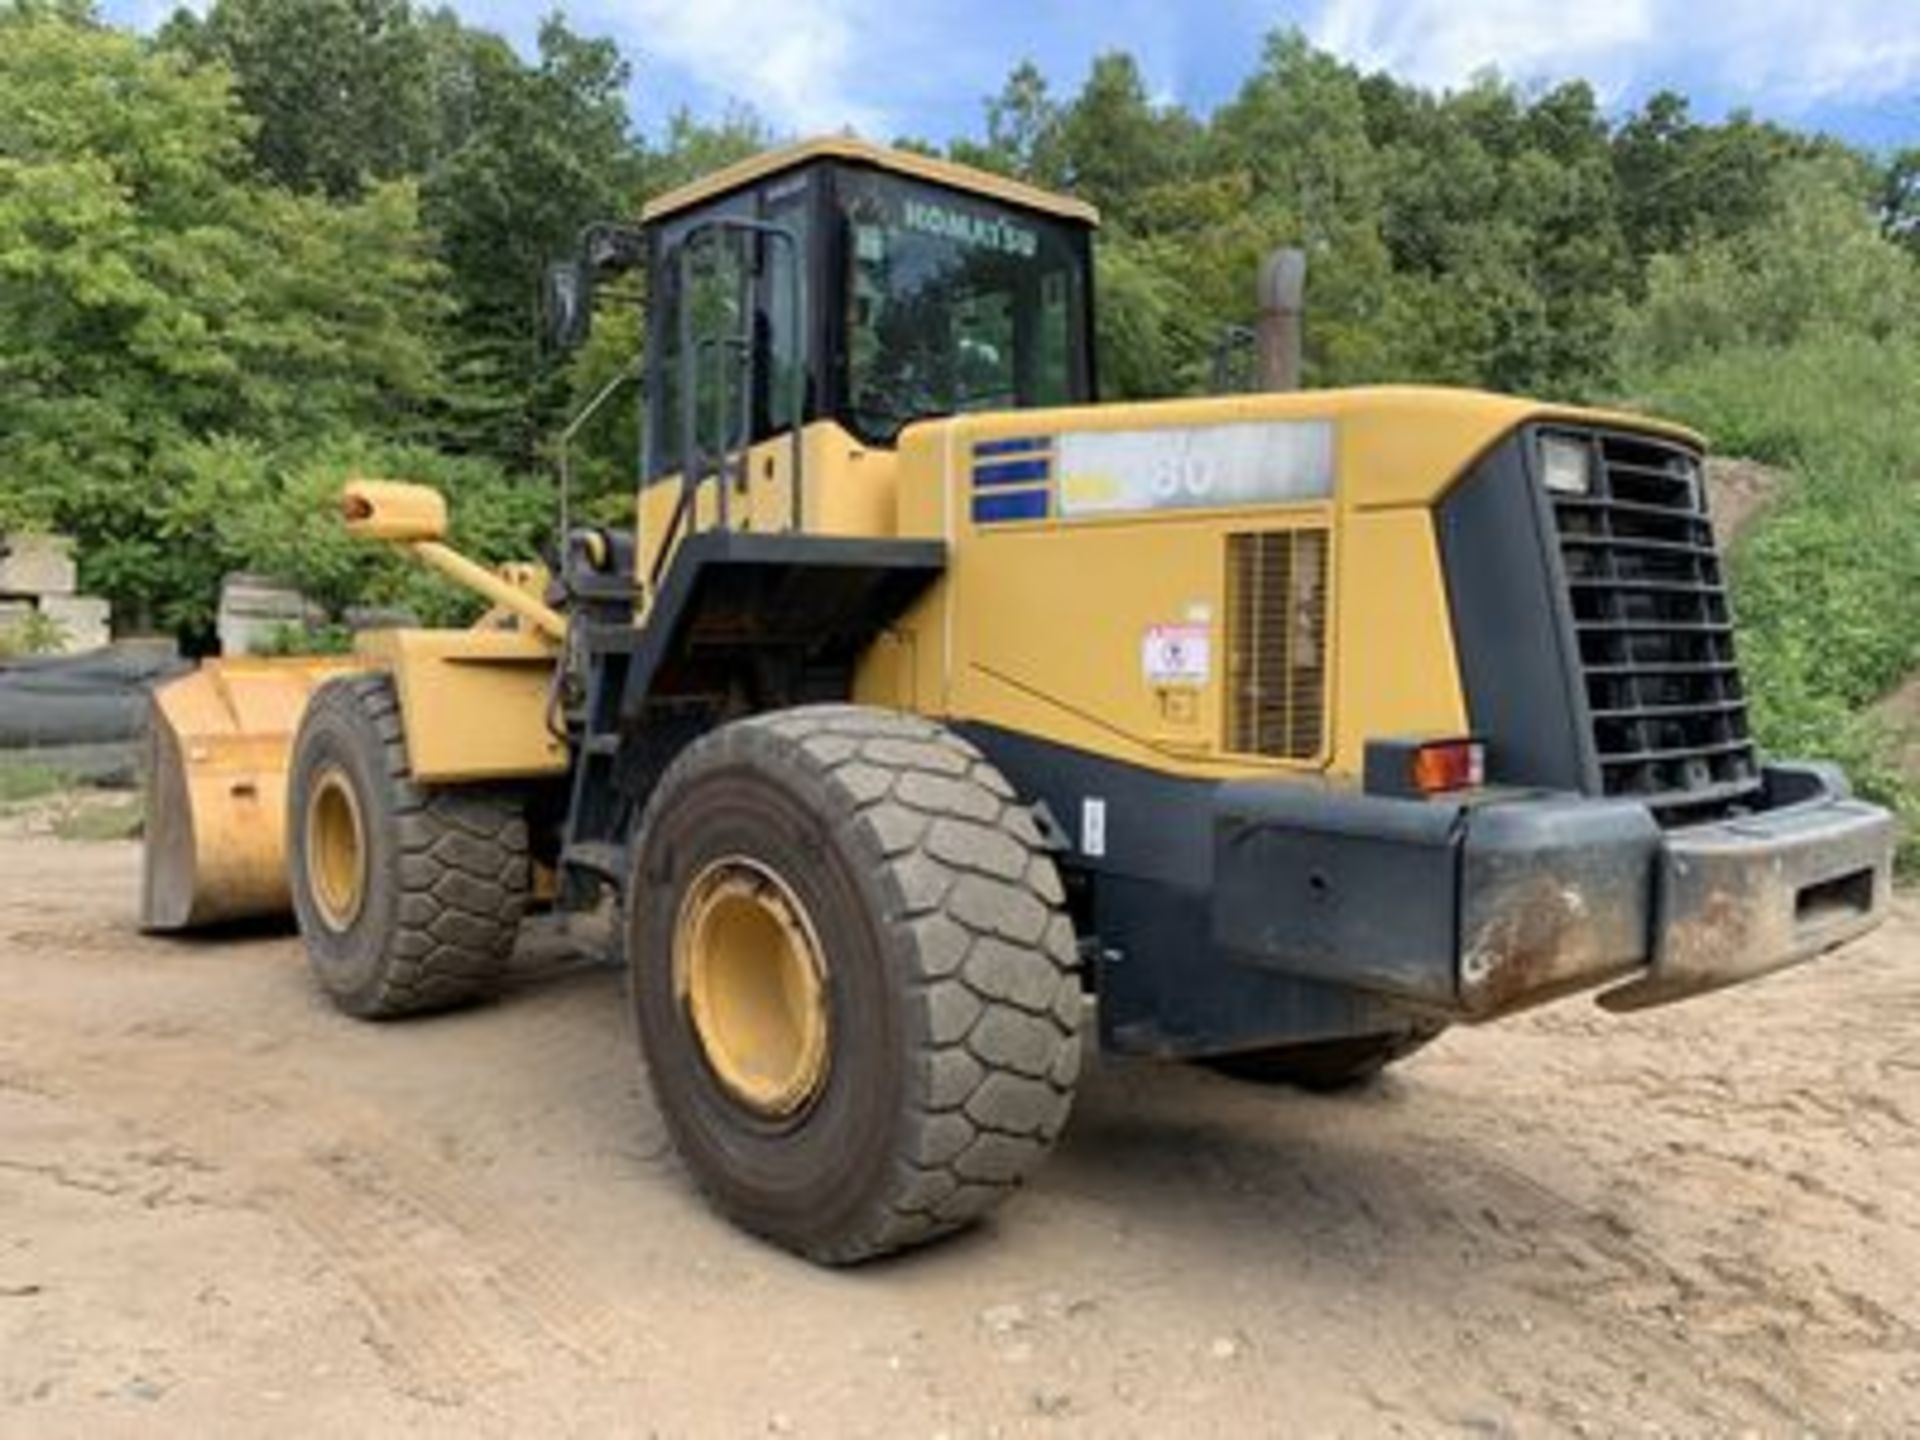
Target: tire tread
<point>994,966</point>
<point>462,873</point>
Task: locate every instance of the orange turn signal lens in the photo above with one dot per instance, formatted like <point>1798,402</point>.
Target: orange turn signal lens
<point>1445,765</point>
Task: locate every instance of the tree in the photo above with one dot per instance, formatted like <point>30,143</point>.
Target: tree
<point>1900,199</point>
<point>511,159</point>
<point>340,89</point>
<point>1023,131</point>
<point>1680,180</point>
<point>693,148</point>
<point>151,296</point>
<point>1112,144</point>
<point>538,152</point>
<point>1816,262</point>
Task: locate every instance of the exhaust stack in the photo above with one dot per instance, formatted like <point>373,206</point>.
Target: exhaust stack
<point>1283,287</point>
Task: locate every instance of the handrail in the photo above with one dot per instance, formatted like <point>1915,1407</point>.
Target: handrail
<point>636,371</point>
<point>693,471</point>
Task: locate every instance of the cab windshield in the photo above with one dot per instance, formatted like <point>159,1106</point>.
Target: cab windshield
<point>955,304</point>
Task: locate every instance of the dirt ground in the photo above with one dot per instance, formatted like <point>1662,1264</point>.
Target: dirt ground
<point>1900,713</point>
<point>1737,491</point>
<point>226,1210</point>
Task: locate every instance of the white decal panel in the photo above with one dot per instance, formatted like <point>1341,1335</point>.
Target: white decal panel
<point>1177,654</point>
<point>1117,472</point>
<point>1093,827</point>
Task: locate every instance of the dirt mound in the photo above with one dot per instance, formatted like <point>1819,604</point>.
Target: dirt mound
<point>1737,491</point>
<point>1900,713</point>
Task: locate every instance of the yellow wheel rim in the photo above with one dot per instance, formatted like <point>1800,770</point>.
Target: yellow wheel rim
<point>336,850</point>
<point>748,969</point>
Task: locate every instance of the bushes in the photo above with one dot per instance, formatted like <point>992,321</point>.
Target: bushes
<point>237,506</point>
<point>36,635</point>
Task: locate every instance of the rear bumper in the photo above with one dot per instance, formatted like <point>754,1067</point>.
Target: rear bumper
<point>1477,910</point>
<point>1746,897</point>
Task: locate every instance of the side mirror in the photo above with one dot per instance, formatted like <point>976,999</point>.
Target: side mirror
<point>566,305</point>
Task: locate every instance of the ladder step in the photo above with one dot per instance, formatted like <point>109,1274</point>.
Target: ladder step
<point>600,858</point>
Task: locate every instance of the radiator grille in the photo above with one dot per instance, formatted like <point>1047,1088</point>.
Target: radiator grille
<point>1649,610</point>
<point>1277,643</point>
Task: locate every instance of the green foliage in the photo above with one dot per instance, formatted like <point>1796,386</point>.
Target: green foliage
<point>38,634</point>
<point>1900,199</point>
<point>152,295</point>
<point>510,159</point>
<point>22,781</point>
<point>291,639</point>
<point>532,155</point>
<point>341,90</point>
<point>1815,261</point>
<point>238,505</point>
<point>97,818</point>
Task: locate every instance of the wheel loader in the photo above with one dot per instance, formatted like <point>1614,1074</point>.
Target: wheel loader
<point>933,720</point>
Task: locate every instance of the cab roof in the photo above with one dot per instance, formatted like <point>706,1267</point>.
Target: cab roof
<point>882,157</point>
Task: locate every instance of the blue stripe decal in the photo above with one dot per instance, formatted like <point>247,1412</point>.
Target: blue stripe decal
<point>1011,472</point>
<point>1012,505</point>
<point>1019,446</point>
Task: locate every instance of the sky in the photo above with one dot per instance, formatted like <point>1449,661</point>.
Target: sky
<point>923,68</point>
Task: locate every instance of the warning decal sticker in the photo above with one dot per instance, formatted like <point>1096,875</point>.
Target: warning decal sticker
<point>1177,654</point>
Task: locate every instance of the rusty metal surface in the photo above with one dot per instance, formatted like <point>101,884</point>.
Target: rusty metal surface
<point>1555,897</point>
<point>1743,898</point>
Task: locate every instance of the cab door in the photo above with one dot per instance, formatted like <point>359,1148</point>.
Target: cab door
<point>730,366</point>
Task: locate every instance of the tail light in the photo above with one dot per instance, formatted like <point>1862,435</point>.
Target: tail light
<point>1414,769</point>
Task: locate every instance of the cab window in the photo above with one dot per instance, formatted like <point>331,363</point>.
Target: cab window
<point>749,365</point>
<point>953,304</point>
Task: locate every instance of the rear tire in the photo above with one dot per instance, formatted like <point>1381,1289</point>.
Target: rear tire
<point>409,899</point>
<point>1324,1066</point>
<point>948,1000</point>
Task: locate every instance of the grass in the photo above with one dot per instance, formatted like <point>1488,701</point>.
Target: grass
<point>123,818</point>
<point>78,811</point>
<point>22,781</point>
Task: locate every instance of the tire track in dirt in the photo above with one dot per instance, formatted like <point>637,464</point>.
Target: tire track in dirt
<point>457,1295</point>
<point>1693,1222</point>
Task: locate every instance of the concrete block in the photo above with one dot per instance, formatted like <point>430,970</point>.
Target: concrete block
<point>34,565</point>
<point>83,621</point>
<point>14,614</point>
<point>253,607</point>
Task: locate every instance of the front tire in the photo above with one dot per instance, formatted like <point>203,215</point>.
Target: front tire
<point>409,899</point>
<point>855,988</point>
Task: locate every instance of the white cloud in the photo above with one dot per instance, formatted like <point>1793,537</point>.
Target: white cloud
<point>1786,52</point>
<point>149,15</point>
<point>802,66</point>
<point>1443,42</point>
<point>1809,52</point>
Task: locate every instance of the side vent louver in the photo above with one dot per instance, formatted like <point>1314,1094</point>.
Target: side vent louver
<point>1276,646</point>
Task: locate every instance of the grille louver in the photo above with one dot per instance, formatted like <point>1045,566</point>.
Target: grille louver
<point>1277,643</point>
<point>1655,637</point>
